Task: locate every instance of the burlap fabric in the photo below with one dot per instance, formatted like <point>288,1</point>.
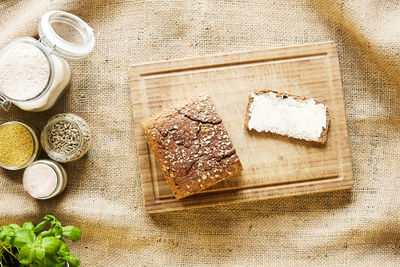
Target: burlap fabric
<point>359,227</point>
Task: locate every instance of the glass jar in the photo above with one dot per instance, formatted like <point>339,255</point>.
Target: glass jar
<point>66,137</point>
<point>44,179</point>
<point>34,73</point>
<point>35,147</point>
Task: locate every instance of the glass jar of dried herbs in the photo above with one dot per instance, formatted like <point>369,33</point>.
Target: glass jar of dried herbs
<point>19,145</point>
<point>66,137</point>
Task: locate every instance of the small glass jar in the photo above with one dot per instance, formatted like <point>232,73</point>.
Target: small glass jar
<point>44,179</point>
<point>66,137</point>
<point>62,35</point>
<point>35,149</point>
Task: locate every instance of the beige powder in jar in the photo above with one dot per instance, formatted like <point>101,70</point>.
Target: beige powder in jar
<point>40,180</point>
<point>30,77</point>
<point>44,179</point>
<point>24,71</point>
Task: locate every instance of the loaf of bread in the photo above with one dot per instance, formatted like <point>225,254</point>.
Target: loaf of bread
<point>288,115</point>
<point>192,147</point>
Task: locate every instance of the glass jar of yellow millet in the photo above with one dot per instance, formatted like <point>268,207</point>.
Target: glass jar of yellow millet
<point>19,145</point>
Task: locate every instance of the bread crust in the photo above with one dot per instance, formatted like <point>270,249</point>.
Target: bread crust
<point>324,135</point>
<point>191,146</point>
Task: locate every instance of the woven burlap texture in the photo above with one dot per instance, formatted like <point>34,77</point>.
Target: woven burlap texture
<point>358,227</point>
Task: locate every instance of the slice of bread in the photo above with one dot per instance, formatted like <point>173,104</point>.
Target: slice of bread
<point>289,115</point>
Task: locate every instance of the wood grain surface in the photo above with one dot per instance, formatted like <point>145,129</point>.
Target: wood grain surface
<point>274,166</point>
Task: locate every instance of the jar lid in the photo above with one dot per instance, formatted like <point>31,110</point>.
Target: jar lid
<point>66,34</point>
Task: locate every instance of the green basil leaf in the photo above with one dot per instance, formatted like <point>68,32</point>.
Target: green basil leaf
<point>3,235</point>
<point>50,218</point>
<point>6,232</point>
<point>45,233</point>
<point>15,226</point>
<point>72,232</point>
<point>55,225</point>
<point>64,247</point>
<point>26,254</point>
<point>40,226</point>
<point>47,262</point>
<point>23,237</point>
<point>39,253</point>
<point>28,225</point>
<point>51,244</point>
<point>8,241</point>
<point>56,259</point>
<point>57,230</point>
<point>72,260</point>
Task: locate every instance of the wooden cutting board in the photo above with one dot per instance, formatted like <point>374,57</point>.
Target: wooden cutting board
<point>274,166</point>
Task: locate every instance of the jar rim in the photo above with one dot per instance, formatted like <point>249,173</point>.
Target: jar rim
<point>43,49</point>
<point>58,172</point>
<point>60,45</point>
<point>35,146</point>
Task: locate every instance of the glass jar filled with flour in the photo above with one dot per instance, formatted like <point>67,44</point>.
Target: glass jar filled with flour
<point>34,73</point>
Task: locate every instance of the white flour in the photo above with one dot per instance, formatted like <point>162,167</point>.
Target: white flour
<point>40,180</point>
<point>24,71</point>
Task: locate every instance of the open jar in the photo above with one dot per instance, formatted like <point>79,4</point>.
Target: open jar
<point>66,137</point>
<point>44,179</point>
<point>19,145</point>
<point>34,73</point>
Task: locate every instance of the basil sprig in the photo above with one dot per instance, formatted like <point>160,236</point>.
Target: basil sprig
<point>35,247</point>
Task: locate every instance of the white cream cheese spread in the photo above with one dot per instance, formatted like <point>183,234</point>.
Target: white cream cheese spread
<point>303,119</point>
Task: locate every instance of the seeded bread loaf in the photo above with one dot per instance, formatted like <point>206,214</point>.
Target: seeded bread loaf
<point>286,114</point>
<point>192,147</point>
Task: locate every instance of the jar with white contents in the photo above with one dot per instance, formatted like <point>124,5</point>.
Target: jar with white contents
<point>44,179</point>
<point>34,73</point>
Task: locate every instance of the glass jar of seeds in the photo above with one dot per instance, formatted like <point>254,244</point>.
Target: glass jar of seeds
<point>19,145</point>
<point>66,137</point>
